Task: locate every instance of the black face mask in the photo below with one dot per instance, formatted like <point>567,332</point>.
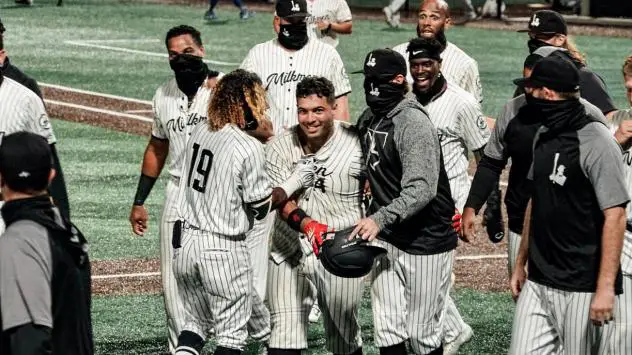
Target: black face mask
<point>293,36</point>
<point>382,97</point>
<point>190,72</point>
<point>534,44</point>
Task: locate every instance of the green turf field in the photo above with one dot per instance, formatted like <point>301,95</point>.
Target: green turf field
<point>102,166</point>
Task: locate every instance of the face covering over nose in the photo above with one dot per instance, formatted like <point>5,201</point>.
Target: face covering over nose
<point>382,96</point>
<point>293,36</point>
<point>534,44</point>
<point>190,72</point>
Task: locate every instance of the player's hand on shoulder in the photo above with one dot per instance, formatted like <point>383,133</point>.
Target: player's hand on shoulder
<point>138,217</point>
<point>302,176</point>
<point>322,25</point>
<point>624,132</point>
<point>264,131</point>
<point>518,278</point>
<point>366,228</point>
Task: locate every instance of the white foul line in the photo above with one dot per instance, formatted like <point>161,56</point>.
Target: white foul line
<point>135,51</point>
<point>139,111</point>
<point>98,110</point>
<point>93,93</point>
<point>115,276</point>
<point>150,274</point>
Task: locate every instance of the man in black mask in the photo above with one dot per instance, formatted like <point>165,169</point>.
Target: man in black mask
<point>574,226</point>
<point>179,105</point>
<point>283,62</point>
<point>410,213</point>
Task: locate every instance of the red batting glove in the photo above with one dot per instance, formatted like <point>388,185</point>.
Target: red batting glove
<point>456,221</point>
<point>315,232</point>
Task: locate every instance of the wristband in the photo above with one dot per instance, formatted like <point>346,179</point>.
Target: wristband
<point>145,184</point>
<point>295,218</point>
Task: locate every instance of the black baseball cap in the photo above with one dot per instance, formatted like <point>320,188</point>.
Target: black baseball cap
<point>424,48</point>
<point>25,161</point>
<point>546,22</point>
<point>384,63</point>
<point>553,72</point>
<point>291,8</point>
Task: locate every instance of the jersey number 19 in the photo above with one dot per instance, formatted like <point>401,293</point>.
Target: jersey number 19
<point>203,168</point>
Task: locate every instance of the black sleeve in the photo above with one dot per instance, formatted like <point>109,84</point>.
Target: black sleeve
<point>485,179</point>
<point>594,91</point>
<point>57,188</point>
<point>30,339</point>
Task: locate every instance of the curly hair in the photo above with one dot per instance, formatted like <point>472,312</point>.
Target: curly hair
<point>237,93</point>
<point>627,66</point>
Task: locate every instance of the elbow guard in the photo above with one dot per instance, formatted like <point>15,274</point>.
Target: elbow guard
<point>261,208</point>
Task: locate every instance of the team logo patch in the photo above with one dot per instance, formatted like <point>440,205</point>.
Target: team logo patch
<point>557,175</point>
<point>374,91</point>
<point>535,22</point>
<point>44,122</point>
<point>481,122</point>
<point>371,61</point>
<point>295,7</point>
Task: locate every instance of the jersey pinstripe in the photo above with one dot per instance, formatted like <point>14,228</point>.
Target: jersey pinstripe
<point>457,66</point>
<point>626,257</point>
<point>462,128</point>
<point>326,10</point>
<point>280,70</point>
<point>334,199</point>
<point>222,172</point>
<point>23,110</point>
<point>174,116</point>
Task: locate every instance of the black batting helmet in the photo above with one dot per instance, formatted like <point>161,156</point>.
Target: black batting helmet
<point>348,258</point>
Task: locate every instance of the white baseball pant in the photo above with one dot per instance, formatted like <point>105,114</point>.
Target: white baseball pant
<point>408,294</point>
<point>215,279</point>
<point>621,338</point>
<point>173,302</point>
<point>292,286</point>
<point>552,321</point>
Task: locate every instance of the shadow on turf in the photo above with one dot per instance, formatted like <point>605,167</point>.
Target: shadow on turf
<point>154,346</point>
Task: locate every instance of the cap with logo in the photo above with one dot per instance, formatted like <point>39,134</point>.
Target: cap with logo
<point>424,48</point>
<point>25,161</point>
<point>546,22</point>
<point>553,72</point>
<point>291,8</point>
<point>384,64</point>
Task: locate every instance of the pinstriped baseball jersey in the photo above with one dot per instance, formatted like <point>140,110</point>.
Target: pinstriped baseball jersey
<point>457,66</point>
<point>23,110</point>
<point>280,70</point>
<point>461,127</point>
<point>174,117</point>
<point>334,199</point>
<point>223,171</point>
<point>626,257</point>
<point>326,10</point>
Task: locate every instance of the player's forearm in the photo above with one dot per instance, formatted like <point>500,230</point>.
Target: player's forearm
<point>155,157</point>
<point>342,27</point>
<point>342,108</point>
<point>611,245</point>
<point>485,179</point>
<point>523,252</point>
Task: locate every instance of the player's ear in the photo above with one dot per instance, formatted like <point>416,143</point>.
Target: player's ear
<point>448,22</point>
<point>203,51</point>
<point>51,175</point>
<point>276,23</point>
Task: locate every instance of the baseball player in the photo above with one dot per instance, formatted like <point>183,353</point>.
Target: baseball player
<point>621,125</point>
<point>575,223</point>
<point>22,110</point>
<point>179,104</point>
<point>284,61</point>
<point>460,69</point>
<point>410,211</point>
<point>224,189</point>
<point>244,13</point>
<point>44,265</point>
<point>332,201</point>
<point>327,19</point>
<point>549,36</point>
<point>11,71</point>
<point>461,126</point>
<point>281,63</point>
<point>392,12</point>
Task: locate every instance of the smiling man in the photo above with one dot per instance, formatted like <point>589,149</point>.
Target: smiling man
<point>332,200</point>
